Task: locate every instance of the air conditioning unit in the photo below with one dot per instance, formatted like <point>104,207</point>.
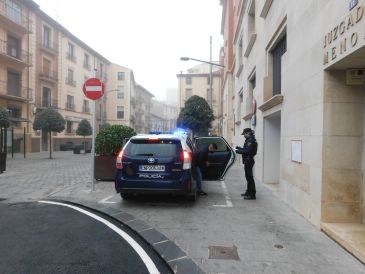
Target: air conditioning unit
<point>355,77</point>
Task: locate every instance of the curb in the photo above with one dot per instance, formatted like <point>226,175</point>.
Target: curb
<point>175,258</point>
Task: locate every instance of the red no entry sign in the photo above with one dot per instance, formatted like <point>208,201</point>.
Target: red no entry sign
<point>93,88</point>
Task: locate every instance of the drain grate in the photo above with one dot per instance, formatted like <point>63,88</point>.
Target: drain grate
<point>223,253</point>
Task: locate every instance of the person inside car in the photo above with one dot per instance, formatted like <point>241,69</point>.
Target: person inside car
<point>201,161</point>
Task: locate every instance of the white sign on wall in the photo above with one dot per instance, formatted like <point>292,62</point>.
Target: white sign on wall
<point>296,151</point>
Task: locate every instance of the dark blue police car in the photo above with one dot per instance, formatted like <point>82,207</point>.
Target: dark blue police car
<point>163,163</point>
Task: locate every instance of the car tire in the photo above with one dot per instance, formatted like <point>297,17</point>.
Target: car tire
<point>125,196</point>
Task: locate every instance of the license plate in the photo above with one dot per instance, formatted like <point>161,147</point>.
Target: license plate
<point>152,168</point>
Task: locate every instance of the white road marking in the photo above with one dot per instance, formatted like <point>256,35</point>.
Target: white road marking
<point>105,200</point>
<point>177,259</point>
<point>164,241</point>
<point>152,269</point>
<point>226,196</point>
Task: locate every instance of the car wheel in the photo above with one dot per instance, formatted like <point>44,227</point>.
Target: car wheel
<point>125,196</point>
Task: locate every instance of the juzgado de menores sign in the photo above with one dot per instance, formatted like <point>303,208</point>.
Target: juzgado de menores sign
<point>342,36</point>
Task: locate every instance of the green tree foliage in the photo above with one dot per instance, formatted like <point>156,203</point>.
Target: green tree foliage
<point>51,121</point>
<point>4,118</point>
<point>196,115</point>
<point>110,139</point>
<point>104,125</point>
<point>84,129</point>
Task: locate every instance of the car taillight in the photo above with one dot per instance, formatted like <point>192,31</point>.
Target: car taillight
<point>186,157</point>
<point>119,163</point>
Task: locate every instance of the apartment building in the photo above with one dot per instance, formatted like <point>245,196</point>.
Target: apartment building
<point>142,109</point>
<point>304,70</point>
<point>17,67</point>
<point>196,82</point>
<point>163,116</point>
<point>119,96</point>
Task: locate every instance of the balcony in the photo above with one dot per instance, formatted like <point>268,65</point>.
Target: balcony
<point>49,47</point>
<point>70,82</point>
<point>49,76</point>
<point>12,54</point>
<point>87,66</point>
<point>86,109</point>
<point>14,19</point>
<point>22,94</point>
<point>71,57</point>
<point>46,103</point>
<point>70,106</point>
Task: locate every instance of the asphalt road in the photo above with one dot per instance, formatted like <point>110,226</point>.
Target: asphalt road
<point>43,238</point>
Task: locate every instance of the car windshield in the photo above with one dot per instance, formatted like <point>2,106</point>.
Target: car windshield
<point>155,148</point>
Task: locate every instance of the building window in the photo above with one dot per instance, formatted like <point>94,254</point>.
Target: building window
<point>239,107</point>
<point>71,52</point>
<point>188,80</point>
<point>240,53</point>
<point>68,127</point>
<point>13,45</point>
<point>188,93</point>
<point>14,85</point>
<point>46,37</point>
<point>87,61</point>
<point>13,10</point>
<point>70,78</point>
<point>120,112</point>
<point>46,97</point>
<point>120,92</point>
<point>251,20</point>
<point>277,53</point>
<point>121,76</point>
<point>101,70</point>
<point>15,114</point>
<point>85,107</point>
<point>70,102</point>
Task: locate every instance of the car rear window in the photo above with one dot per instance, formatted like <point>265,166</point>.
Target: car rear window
<point>155,148</point>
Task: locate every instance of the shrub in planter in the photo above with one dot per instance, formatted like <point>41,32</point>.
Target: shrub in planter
<point>108,143</point>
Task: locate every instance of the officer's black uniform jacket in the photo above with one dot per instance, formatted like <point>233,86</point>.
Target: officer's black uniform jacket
<point>249,149</point>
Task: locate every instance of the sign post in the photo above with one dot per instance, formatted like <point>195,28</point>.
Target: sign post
<point>93,89</point>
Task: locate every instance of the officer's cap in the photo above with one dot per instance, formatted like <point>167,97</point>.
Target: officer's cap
<point>246,130</point>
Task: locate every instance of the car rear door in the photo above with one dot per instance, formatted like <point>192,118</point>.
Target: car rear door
<point>219,161</point>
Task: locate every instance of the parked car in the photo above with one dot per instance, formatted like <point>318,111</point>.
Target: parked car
<point>163,163</point>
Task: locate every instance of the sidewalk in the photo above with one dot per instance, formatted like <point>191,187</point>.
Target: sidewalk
<point>269,236</point>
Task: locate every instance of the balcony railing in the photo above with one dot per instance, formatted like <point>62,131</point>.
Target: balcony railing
<point>71,57</point>
<point>86,109</point>
<point>49,47</point>
<point>70,82</point>
<point>14,53</point>
<point>46,103</point>
<point>15,16</point>
<point>70,106</point>
<point>87,66</point>
<point>49,75</point>
<point>21,94</point>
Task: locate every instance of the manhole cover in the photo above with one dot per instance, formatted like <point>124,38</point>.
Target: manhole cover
<point>223,253</point>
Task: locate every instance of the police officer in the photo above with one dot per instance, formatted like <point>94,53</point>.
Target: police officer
<point>248,152</point>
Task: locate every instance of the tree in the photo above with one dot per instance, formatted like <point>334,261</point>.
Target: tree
<point>4,118</point>
<point>196,115</point>
<point>50,121</point>
<point>110,139</point>
<point>84,129</point>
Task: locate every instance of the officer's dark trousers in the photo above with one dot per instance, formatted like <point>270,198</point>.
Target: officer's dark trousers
<point>249,163</point>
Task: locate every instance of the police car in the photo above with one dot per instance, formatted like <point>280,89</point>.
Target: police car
<point>163,163</point>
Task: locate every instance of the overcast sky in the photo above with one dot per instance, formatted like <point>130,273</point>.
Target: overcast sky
<point>147,36</point>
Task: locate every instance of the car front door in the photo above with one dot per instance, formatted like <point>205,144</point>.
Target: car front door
<point>219,161</point>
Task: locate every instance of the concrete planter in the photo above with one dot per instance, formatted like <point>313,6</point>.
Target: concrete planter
<point>105,168</point>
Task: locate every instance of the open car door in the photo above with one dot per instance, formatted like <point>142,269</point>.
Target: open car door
<point>220,160</point>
